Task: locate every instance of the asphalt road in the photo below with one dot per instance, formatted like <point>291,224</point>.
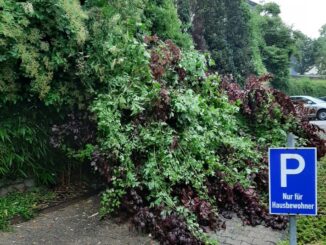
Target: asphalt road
<point>321,124</point>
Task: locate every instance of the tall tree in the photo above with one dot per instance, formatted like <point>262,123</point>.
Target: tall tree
<point>304,52</point>
<point>223,28</point>
<point>238,37</point>
<point>162,19</point>
<point>320,53</point>
<point>240,40</point>
<point>278,44</point>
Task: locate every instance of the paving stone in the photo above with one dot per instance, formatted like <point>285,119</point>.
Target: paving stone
<point>3,192</point>
<point>239,234</point>
<point>29,183</point>
<point>271,243</point>
<point>263,235</point>
<point>10,189</point>
<point>257,242</point>
<point>244,243</point>
<point>20,187</point>
<point>231,241</point>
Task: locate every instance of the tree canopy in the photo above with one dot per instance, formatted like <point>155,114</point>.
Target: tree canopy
<point>320,52</point>
<point>304,53</point>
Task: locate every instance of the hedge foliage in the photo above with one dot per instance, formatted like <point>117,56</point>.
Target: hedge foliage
<point>242,40</point>
<point>307,86</point>
<point>40,47</point>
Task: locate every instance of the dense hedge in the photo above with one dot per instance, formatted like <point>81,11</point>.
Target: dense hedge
<point>40,46</point>
<point>306,86</point>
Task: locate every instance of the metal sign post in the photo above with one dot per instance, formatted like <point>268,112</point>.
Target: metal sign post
<point>293,218</point>
<point>293,230</point>
<point>293,183</point>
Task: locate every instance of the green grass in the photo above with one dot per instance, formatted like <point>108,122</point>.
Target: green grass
<point>312,230</point>
<point>22,204</point>
<point>306,86</point>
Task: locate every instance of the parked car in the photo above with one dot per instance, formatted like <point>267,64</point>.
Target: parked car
<point>323,98</point>
<point>317,107</point>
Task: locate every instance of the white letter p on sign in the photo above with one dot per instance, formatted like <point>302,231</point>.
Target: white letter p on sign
<point>285,171</point>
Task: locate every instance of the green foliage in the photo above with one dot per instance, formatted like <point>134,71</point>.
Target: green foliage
<point>320,54</point>
<point>24,144</point>
<point>227,30</point>
<point>277,126</point>
<point>227,35</point>
<point>54,53</point>
<point>306,86</point>
<point>172,132</point>
<point>196,132</point>
<point>257,42</point>
<point>39,42</point>
<point>128,128</point>
<point>271,9</point>
<point>114,51</point>
<point>163,20</point>
<point>311,230</point>
<point>304,53</point>
<point>111,198</point>
<point>184,8</point>
<point>238,38</point>
<point>242,40</point>
<point>21,204</point>
<point>278,44</point>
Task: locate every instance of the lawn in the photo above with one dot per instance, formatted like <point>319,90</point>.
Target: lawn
<point>21,204</point>
<point>312,230</point>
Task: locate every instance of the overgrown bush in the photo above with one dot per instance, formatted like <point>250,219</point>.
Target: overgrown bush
<point>207,159</point>
<point>40,46</point>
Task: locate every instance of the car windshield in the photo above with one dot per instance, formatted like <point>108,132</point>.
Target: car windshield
<point>317,101</point>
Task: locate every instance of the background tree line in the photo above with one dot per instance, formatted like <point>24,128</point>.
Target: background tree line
<point>245,39</point>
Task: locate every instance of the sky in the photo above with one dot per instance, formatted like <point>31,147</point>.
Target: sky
<point>306,16</point>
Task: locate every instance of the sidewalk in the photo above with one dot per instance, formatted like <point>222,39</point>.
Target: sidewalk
<point>79,224</point>
<point>238,234</point>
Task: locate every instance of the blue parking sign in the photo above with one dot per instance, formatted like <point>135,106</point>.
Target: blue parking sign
<point>293,181</point>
